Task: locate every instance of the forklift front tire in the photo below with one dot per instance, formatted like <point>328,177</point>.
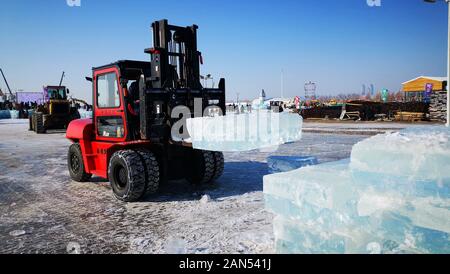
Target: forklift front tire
<point>76,164</point>
<point>126,174</point>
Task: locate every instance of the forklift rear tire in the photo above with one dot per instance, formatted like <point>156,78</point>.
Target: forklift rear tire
<point>76,164</point>
<point>30,120</point>
<point>219,164</point>
<point>152,172</point>
<point>39,120</point>
<point>126,173</point>
<point>200,167</point>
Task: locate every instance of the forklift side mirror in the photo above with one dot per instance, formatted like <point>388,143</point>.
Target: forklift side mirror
<point>68,91</point>
<point>89,79</point>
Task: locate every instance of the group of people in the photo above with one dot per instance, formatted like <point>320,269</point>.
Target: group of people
<point>23,108</point>
<point>239,108</point>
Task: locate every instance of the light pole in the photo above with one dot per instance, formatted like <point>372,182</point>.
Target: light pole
<point>448,59</point>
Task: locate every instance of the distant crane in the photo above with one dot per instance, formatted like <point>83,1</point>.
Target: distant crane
<point>62,77</point>
<point>7,85</point>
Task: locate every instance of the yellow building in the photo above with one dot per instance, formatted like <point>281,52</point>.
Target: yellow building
<point>414,89</point>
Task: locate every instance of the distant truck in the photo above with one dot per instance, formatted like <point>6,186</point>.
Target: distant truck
<point>56,112</point>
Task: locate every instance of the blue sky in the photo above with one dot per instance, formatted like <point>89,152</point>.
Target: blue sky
<point>338,44</point>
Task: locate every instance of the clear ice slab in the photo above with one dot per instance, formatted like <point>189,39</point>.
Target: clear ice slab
<point>84,114</point>
<point>278,164</point>
<point>244,132</point>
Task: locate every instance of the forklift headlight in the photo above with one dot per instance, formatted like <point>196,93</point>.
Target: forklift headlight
<point>213,102</point>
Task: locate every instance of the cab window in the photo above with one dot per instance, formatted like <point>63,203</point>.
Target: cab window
<point>107,91</point>
<point>111,127</point>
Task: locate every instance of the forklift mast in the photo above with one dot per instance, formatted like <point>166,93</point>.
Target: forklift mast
<point>174,57</point>
<point>173,81</point>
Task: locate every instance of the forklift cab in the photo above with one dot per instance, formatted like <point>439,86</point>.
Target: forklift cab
<point>115,100</point>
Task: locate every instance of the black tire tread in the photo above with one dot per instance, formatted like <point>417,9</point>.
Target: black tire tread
<point>39,122</point>
<point>30,121</point>
<point>208,157</point>
<point>136,175</point>
<point>219,163</point>
<point>152,170</point>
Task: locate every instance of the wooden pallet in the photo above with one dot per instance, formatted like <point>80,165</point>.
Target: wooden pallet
<point>409,116</point>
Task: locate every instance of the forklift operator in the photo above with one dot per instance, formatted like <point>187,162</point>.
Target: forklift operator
<point>133,105</point>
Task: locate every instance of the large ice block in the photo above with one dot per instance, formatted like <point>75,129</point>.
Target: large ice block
<point>244,132</point>
<point>14,114</point>
<point>420,153</point>
<point>368,204</point>
<point>393,234</point>
<point>315,194</point>
<point>277,164</point>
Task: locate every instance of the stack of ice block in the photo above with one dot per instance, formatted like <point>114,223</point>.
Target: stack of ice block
<point>85,114</point>
<point>5,114</point>
<point>392,196</point>
<point>14,114</point>
<point>277,164</point>
<point>244,132</point>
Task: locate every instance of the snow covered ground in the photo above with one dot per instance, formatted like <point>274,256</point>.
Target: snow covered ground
<point>43,211</point>
<point>358,127</point>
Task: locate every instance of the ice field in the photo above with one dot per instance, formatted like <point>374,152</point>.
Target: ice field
<point>36,193</point>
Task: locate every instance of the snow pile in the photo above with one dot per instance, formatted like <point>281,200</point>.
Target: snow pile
<point>392,196</point>
<point>244,132</point>
<point>277,164</point>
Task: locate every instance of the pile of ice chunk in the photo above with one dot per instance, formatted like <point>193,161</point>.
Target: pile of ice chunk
<point>392,196</point>
<point>12,114</point>
<point>85,114</point>
<point>277,164</point>
<point>5,114</point>
<point>244,132</point>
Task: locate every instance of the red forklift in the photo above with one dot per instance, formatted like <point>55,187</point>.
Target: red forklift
<point>129,139</point>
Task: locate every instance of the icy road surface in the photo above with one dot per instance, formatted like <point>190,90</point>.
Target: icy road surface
<point>43,211</point>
